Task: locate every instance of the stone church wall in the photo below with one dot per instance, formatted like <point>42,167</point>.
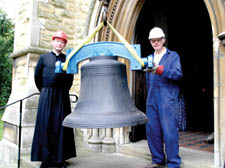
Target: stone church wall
<point>36,22</point>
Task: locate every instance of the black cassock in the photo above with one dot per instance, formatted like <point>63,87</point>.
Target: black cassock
<point>52,142</point>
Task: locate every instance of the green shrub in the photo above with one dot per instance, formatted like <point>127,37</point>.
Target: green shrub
<point>1,125</point>
<point>6,48</point>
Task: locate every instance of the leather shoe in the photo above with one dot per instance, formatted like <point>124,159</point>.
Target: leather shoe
<point>154,165</point>
<point>62,165</point>
<point>44,165</point>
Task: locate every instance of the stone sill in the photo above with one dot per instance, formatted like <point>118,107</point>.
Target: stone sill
<point>35,50</point>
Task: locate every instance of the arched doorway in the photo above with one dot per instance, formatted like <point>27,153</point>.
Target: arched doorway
<point>188,30</point>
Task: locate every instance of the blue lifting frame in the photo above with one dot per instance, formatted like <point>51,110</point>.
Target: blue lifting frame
<point>101,49</point>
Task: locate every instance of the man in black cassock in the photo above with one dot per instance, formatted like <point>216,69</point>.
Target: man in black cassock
<point>53,143</point>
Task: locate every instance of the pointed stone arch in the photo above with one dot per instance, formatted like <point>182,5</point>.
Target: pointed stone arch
<point>216,10</point>
<point>123,16</point>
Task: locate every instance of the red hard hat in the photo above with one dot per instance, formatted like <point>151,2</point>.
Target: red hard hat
<point>60,34</point>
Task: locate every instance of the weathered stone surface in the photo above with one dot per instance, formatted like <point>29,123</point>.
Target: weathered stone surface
<point>59,3</point>
<point>46,8</point>
<point>52,25</point>
<point>67,14</point>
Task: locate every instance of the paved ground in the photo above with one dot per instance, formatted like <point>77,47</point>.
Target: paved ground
<point>133,155</point>
<point>107,161</point>
<point>88,159</point>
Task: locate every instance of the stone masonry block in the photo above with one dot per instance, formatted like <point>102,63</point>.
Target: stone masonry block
<point>46,8</point>
<point>27,136</point>
<point>51,25</point>
<point>59,3</point>
<point>72,1</point>
<point>29,116</point>
<point>45,15</point>
<point>68,14</point>
<point>45,44</point>
<point>71,7</point>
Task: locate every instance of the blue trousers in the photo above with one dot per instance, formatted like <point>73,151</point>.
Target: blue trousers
<point>162,129</point>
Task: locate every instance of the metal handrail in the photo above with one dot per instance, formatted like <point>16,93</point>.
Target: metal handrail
<point>19,100</point>
<point>20,118</point>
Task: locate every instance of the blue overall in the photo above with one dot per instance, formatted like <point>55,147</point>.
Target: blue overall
<point>162,111</point>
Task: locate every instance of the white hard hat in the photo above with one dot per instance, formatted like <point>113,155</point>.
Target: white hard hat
<point>156,32</point>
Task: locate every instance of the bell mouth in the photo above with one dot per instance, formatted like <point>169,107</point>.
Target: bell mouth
<point>103,57</point>
<point>105,121</point>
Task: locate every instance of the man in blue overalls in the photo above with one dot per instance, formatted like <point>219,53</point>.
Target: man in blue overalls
<point>162,103</point>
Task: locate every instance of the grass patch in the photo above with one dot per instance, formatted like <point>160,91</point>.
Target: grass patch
<point>1,125</point>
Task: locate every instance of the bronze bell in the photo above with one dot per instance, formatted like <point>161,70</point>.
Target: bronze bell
<point>104,100</point>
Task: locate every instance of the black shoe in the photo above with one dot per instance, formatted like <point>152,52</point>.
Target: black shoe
<point>44,165</point>
<point>154,165</point>
<point>62,165</point>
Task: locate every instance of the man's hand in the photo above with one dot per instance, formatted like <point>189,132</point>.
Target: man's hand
<point>153,69</point>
